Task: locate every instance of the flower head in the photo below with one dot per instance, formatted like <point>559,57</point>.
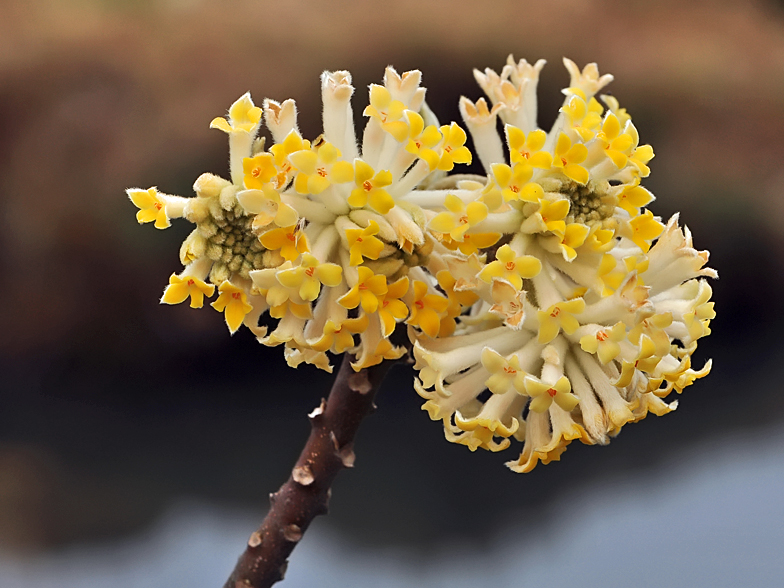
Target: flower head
<point>546,281</point>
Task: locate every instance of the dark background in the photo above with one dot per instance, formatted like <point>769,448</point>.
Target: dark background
<point>113,408</point>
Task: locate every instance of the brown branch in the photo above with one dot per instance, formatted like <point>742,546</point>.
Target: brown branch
<point>306,493</point>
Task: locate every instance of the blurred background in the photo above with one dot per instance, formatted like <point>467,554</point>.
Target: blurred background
<point>138,442</point>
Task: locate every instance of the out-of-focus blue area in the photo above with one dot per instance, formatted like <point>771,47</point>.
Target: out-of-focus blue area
<point>711,518</point>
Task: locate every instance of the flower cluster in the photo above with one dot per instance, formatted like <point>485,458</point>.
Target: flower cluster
<point>543,300</point>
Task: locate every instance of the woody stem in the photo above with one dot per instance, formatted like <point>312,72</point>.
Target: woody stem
<point>306,493</point>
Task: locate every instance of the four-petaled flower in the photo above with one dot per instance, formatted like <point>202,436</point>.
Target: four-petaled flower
<point>427,310</point>
<point>338,337</point>
<point>459,218</point>
<point>233,303</point>
<point>644,229</point>
<point>574,235</point>
<point>549,217</point>
<point>362,243</point>
<point>387,111</point>
<point>568,158</point>
<point>310,275</point>
<point>290,240</point>
<point>453,150</point>
<point>604,343</point>
<point>514,182</point>
<point>319,168</point>
<point>391,309</point>
<point>421,139</point>
<point>583,117</point>
<point>368,291</point>
<point>616,143</point>
<point>559,316</point>
<point>543,394</point>
<point>633,197</point>
<point>370,188</point>
<point>511,267</point>
<point>282,151</point>
<point>527,150</point>
<point>259,170</point>
<point>506,374</point>
<point>151,208</point>
<point>180,287</point>
<point>244,117</point>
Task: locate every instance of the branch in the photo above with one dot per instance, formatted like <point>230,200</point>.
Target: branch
<point>306,493</point>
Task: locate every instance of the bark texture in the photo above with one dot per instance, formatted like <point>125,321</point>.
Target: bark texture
<point>306,493</point>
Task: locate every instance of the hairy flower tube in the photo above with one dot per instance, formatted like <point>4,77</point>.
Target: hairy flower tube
<point>543,301</point>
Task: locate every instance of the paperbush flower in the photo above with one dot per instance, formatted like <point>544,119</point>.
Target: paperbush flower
<point>546,281</point>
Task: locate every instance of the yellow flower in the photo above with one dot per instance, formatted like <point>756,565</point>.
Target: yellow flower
<point>282,151</point>
<point>233,302</point>
<point>549,217</point>
<point>574,235</point>
<point>289,307</point>
<point>651,338</point>
<point>387,111</point>
<point>422,140</point>
<point>310,275</point>
<point>644,229</point>
<point>600,240</point>
<point>459,218</point>
<point>320,168</point>
<point>559,316</point>
<point>506,374</point>
<point>527,150</point>
<point>454,150</point>
<point>427,310</point>
<point>640,158</point>
<point>568,157</point>
<point>369,290</point>
<point>617,144</point>
<point>514,183</point>
<point>511,268</point>
<point>290,240</point>
<point>391,309</point>
<point>457,301</point>
<point>244,117</point>
<point>362,243</point>
<point>633,197</point>
<point>543,394</point>
<point>258,170</point>
<point>697,321</point>
<point>383,350</point>
<point>265,204</point>
<point>457,298</point>
<point>605,342</point>
<point>641,154</point>
<point>583,117</point>
<point>370,188</point>
<point>151,208</point>
<point>340,337</point>
<point>612,275</point>
<point>180,287</point>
